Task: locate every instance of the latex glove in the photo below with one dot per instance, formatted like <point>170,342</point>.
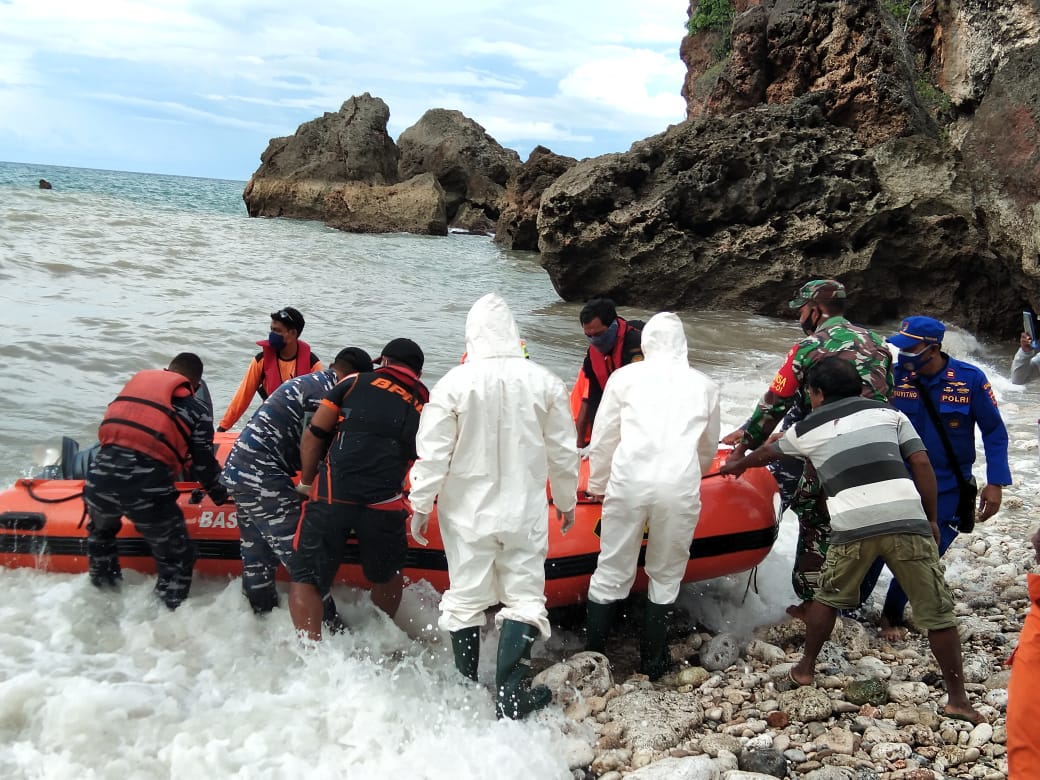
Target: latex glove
<point>566,520</point>
<point>420,522</point>
<point>303,489</point>
<point>583,453</point>
<point>221,430</point>
<point>196,496</point>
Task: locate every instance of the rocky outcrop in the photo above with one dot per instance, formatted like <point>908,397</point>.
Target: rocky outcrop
<point>821,144</point>
<point>735,212</point>
<point>297,171</point>
<point>517,226</point>
<point>471,166</point>
<point>413,206</point>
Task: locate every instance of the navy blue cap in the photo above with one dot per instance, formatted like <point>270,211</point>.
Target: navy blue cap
<point>918,330</point>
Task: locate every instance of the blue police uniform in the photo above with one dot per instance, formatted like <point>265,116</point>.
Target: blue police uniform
<point>963,398</point>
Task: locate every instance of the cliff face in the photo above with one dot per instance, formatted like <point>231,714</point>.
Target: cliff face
<point>826,139</point>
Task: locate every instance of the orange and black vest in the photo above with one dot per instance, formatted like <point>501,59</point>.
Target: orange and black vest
<point>142,418</point>
<point>272,376</point>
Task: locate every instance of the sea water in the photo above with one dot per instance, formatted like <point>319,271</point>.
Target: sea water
<point>109,273</point>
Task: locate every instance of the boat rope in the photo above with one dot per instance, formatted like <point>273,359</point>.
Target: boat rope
<point>34,497</point>
<point>752,577</point>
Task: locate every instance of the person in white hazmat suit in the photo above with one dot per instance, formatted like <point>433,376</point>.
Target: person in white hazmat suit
<point>656,432</point>
<point>494,429</point>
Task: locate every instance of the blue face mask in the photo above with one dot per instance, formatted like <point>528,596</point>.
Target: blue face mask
<point>910,361</point>
<point>276,340</point>
<point>604,342</point>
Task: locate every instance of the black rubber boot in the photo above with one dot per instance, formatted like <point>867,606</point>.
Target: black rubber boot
<point>654,660</point>
<point>103,557</point>
<point>465,643</point>
<point>598,620</point>
<point>515,699</point>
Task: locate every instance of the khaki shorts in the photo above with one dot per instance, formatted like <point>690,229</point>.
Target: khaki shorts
<point>913,561</point>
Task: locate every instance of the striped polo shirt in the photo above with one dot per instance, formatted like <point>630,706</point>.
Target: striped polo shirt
<point>858,447</point>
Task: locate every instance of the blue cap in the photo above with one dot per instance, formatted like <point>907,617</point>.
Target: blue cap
<point>918,330</point>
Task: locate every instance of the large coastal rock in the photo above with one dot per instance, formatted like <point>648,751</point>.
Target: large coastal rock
<point>821,144</point>
<point>735,212</point>
<point>517,226</point>
<point>471,166</point>
<point>297,171</point>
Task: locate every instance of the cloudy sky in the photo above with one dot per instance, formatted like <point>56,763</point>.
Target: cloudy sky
<point>197,87</point>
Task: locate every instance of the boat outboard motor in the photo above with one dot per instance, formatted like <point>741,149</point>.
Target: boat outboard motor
<point>74,461</point>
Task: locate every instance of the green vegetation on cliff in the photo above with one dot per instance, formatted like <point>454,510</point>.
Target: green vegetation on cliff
<point>711,15</point>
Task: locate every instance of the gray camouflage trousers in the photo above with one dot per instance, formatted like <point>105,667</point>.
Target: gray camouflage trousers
<point>267,523</point>
<point>119,486</point>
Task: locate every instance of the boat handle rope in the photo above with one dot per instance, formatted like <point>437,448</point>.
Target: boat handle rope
<point>34,497</point>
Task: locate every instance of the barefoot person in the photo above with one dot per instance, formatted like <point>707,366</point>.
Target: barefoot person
<point>821,306</point>
<point>858,447</point>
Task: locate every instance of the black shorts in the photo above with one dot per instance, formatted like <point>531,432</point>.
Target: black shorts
<point>324,532</point>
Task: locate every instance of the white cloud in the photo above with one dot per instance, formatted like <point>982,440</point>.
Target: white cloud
<point>541,71</point>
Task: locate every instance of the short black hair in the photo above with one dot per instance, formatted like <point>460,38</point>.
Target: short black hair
<point>356,358</point>
<point>188,365</point>
<point>836,376</point>
<point>602,309</point>
<point>290,318</point>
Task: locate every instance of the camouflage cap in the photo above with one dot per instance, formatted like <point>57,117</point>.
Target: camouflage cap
<point>818,290</point>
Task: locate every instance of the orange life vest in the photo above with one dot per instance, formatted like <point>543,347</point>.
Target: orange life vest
<point>142,418</point>
<point>272,375</point>
<point>599,360</point>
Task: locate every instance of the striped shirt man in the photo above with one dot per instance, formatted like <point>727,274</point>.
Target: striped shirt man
<point>858,447</point>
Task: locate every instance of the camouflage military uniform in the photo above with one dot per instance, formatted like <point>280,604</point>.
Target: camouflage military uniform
<point>835,335</point>
<point>260,470</point>
<point>122,481</point>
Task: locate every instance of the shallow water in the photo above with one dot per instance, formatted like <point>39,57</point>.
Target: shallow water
<point>110,273</point>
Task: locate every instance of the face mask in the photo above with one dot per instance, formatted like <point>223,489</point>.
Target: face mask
<point>809,323</point>
<point>604,342</point>
<point>276,340</point>
<point>910,361</point>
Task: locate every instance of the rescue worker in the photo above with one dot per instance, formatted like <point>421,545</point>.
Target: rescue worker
<point>283,355</point>
<point>656,433</point>
<point>260,471</point>
<point>365,430</point>
<point>858,446</point>
<point>154,429</point>
<point>495,428</point>
<point>1023,705</point>
<point>820,304</point>
<point>963,399</point>
<point>613,342</point>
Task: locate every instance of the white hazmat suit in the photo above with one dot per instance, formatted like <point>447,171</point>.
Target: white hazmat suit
<point>494,429</point>
<point>656,432</point>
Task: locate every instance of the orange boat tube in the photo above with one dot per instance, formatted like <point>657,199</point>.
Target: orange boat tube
<point>43,526</point>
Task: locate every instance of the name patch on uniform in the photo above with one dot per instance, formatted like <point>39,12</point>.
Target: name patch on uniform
<point>947,396</point>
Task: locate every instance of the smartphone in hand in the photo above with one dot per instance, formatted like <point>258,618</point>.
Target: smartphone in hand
<point>1029,326</point>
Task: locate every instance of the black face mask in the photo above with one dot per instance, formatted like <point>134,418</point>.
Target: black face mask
<point>809,323</point>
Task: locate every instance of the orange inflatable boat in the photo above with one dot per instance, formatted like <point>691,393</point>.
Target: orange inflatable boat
<point>43,526</point>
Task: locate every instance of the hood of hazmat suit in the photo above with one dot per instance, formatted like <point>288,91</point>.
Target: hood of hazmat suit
<point>495,428</point>
<point>657,428</point>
